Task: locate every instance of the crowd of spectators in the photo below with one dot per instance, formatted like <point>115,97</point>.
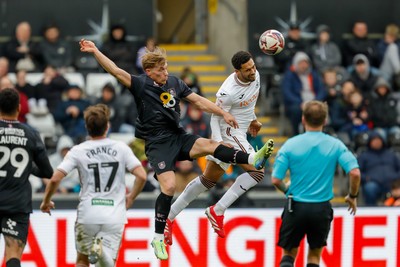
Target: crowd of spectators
<point>359,78</point>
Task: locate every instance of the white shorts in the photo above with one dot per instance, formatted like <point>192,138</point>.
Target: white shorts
<point>236,138</point>
<point>111,234</point>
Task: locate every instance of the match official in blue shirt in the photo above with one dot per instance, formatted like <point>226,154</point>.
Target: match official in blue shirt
<point>311,158</point>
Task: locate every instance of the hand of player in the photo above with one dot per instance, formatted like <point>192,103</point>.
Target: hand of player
<point>47,207</point>
<point>254,128</point>
<point>229,119</point>
<point>128,201</point>
<point>87,46</point>
<point>352,202</point>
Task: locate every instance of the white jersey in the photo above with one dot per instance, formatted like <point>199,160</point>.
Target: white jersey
<point>101,165</point>
<point>239,99</point>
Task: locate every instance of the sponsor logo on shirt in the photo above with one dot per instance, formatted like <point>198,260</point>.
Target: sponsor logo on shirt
<point>102,202</point>
<point>168,100</point>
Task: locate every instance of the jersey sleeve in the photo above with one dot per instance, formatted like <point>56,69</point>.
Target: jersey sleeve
<point>224,101</point>
<point>131,160</point>
<point>136,86</point>
<point>185,90</point>
<point>43,167</point>
<point>215,129</point>
<point>346,159</point>
<point>281,164</point>
<point>69,162</point>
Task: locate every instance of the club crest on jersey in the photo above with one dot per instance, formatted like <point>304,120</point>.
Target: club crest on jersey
<point>161,165</point>
<point>168,99</point>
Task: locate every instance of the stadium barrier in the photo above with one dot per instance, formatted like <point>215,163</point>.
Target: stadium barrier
<point>370,239</point>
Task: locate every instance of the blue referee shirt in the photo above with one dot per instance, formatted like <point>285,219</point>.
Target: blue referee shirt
<point>312,158</point>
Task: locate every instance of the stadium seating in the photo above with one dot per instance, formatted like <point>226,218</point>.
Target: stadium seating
<point>96,81</point>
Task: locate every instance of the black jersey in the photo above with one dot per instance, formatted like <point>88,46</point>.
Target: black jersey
<point>158,106</point>
<point>20,148</point>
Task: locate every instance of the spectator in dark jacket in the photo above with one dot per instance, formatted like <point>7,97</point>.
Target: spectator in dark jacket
<point>362,76</point>
<point>379,167</point>
<point>56,51</point>
<point>360,44</point>
<point>293,43</point>
<point>110,98</point>
<point>51,88</point>
<point>300,84</point>
<point>70,114</point>
<point>383,109</point>
<point>22,52</point>
<point>119,50</point>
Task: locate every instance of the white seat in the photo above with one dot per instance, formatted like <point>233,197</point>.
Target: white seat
<point>75,78</point>
<point>34,78</point>
<point>96,81</point>
<point>127,138</point>
<point>13,77</point>
<point>44,124</point>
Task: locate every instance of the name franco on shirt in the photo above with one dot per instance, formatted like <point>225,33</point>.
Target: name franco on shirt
<point>101,150</point>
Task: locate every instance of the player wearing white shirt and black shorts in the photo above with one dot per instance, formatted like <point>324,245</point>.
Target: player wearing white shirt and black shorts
<point>101,215</point>
<point>238,96</point>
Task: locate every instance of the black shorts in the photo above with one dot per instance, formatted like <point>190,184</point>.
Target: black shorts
<point>163,154</point>
<point>15,225</point>
<point>311,219</point>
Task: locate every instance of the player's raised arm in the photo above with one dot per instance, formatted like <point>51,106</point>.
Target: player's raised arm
<point>121,75</point>
<point>210,107</point>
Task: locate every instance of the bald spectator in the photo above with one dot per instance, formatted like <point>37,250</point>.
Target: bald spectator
<point>21,51</point>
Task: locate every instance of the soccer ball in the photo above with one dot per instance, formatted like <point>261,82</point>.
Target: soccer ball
<point>271,42</point>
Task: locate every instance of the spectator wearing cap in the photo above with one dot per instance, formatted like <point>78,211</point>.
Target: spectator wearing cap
<point>300,84</point>
<point>293,44</point>
<point>360,43</point>
<point>362,76</point>
<point>325,54</point>
<point>69,113</point>
<point>379,167</point>
<point>389,55</point>
<point>382,109</point>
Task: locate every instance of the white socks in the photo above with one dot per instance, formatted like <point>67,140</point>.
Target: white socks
<point>191,192</point>
<point>243,183</point>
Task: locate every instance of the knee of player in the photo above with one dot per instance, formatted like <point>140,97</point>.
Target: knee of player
<point>258,176</point>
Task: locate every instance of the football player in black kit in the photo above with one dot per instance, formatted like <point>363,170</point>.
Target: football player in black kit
<point>22,153</point>
<point>157,96</point>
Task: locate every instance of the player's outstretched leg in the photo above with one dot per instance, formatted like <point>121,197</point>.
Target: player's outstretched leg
<point>95,250</point>
<point>263,154</point>
<point>217,221</point>
<point>159,249</point>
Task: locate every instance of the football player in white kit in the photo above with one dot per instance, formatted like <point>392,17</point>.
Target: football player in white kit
<point>103,201</point>
<point>238,96</point>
